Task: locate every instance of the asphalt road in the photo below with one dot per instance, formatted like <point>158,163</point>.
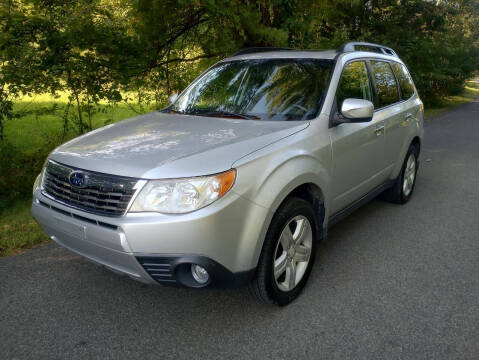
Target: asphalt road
<point>391,282</point>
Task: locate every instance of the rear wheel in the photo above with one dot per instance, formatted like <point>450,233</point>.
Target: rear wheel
<point>403,187</point>
<point>288,253</point>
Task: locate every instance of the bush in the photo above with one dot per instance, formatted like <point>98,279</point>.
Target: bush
<point>18,172</point>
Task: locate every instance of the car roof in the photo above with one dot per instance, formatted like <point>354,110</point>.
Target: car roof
<point>309,54</point>
<point>286,54</point>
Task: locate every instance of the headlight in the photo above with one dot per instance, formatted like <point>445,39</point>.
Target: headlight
<point>177,196</point>
<point>38,181</point>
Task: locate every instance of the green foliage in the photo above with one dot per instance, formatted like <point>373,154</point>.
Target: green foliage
<point>18,230</point>
<point>470,93</point>
<point>438,40</point>
<point>96,50</point>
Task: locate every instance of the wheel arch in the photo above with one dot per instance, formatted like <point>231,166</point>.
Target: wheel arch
<point>311,192</point>
<point>415,140</point>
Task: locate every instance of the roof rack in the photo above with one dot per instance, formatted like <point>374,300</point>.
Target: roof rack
<point>253,50</point>
<point>363,46</point>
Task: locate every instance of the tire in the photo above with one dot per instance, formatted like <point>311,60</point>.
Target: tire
<point>294,223</point>
<point>399,193</point>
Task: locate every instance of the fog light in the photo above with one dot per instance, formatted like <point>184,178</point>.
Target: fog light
<point>199,273</point>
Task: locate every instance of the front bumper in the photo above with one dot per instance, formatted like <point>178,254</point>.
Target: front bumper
<point>175,270</point>
<point>221,237</point>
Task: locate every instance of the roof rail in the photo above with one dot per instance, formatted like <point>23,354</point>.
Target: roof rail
<point>351,46</point>
<point>253,50</point>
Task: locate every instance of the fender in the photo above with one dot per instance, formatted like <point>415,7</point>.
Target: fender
<point>273,175</point>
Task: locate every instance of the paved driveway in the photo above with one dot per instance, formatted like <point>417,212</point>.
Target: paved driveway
<point>391,282</point>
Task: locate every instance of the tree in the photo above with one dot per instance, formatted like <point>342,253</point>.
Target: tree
<point>100,50</point>
<point>19,74</point>
<point>438,40</point>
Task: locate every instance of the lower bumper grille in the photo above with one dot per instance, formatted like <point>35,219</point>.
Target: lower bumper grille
<point>159,269</point>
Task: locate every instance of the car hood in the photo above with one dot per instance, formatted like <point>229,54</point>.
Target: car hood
<point>158,145</point>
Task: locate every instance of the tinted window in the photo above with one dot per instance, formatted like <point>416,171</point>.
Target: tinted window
<point>266,89</point>
<point>404,79</point>
<point>354,83</point>
<point>386,87</point>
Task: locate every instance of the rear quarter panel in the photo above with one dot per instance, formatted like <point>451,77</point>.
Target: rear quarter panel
<point>412,129</point>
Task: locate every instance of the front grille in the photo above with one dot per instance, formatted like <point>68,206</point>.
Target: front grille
<point>104,194</point>
<point>158,268</point>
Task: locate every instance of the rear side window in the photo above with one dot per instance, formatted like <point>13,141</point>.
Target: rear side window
<point>354,83</point>
<point>386,87</point>
<point>404,79</point>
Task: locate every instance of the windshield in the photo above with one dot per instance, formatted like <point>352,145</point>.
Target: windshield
<point>263,89</point>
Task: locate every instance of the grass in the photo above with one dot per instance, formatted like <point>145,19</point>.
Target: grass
<point>43,122</point>
<point>40,129</point>
<point>18,230</point>
<point>470,92</point>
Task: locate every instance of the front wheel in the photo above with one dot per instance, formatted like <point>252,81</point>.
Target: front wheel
<point>288,253</point>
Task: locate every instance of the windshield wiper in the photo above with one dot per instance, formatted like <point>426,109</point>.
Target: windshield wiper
<point>227,113</point>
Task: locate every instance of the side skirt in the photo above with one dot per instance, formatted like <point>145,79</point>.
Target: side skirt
<point>341,214</point>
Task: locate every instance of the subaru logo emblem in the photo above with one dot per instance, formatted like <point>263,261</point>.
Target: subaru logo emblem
<point>78,179</point>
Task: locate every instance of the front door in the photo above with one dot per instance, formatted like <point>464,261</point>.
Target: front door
<point>359,160</point>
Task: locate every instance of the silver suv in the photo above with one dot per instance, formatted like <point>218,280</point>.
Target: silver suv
<point>238,178</point>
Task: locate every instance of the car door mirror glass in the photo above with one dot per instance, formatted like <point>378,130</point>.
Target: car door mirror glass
<point>357,110</point>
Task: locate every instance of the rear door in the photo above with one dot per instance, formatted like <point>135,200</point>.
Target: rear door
<point>388,108</point>
<point>398,127</point>
<point>358,148</point>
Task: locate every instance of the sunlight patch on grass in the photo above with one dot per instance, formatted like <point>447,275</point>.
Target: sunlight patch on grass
<point>41,123</point>
<point>471,92</point>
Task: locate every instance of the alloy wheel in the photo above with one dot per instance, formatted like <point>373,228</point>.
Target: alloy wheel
<point>293,252</point>
<point>409,175</point>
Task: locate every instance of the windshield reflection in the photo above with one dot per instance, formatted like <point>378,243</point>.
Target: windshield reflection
<point>266,89</point>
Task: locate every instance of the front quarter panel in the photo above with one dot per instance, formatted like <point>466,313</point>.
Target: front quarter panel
<point>268,176</point>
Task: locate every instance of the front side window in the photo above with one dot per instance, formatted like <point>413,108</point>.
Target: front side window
<point>354,83</point>
<point>262,89</point>
<point>404,79</point>
<point>386,87</point>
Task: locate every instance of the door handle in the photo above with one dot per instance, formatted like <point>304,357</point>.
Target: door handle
<point>409,116</point>
<point>407,119</point>
<point>378,130</point>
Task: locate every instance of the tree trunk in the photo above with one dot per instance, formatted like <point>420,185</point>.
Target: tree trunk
<point>80,117</point>
<point>65,120</point>
<point>90,124</point>
<point>167,74</point>
<point>1,129</point>
<point>77,98</point>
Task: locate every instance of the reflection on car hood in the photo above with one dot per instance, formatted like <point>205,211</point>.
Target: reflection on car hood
<point>159,145</point>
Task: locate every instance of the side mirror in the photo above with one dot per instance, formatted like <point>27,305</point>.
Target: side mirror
<point>172,98</point>
<point>357,110</point>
